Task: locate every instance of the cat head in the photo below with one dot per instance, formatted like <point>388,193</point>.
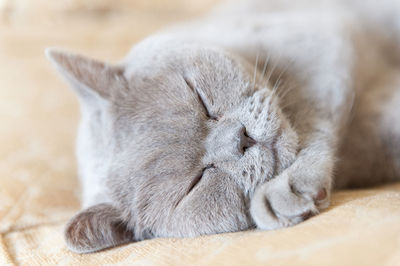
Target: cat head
<point>179,135</point>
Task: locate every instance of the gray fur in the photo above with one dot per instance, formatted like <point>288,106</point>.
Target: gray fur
<point>236,120</point>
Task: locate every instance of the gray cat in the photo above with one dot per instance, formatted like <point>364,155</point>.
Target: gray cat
<point>245,118</point>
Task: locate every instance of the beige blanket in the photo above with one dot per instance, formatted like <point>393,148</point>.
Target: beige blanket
<point>38,185</point>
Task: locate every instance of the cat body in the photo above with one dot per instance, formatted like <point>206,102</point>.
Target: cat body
<point>245,118</point>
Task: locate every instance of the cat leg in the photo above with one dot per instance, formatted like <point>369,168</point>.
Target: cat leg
<point>301,190</point>
<point>323,107</point>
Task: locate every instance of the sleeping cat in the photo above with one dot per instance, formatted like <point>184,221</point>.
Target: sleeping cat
<point>245,118</point>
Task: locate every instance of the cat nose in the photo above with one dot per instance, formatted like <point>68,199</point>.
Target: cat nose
<point>227,141</point>
<point>245,141</point>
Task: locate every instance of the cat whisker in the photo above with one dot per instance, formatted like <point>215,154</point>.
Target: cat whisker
<point>288,105</point>
<point>255,70</point>
<point>270,73</point>
<point>286,91</point>
<point>274,91</point>
<point>275,94</point>
<point>284,70</point>
<point>266,63</point>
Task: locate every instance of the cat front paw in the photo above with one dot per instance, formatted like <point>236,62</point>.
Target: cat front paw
<point>285,201</point>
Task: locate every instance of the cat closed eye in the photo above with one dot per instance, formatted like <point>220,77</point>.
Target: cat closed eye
<point>198,178</point>
<point>201,100</point>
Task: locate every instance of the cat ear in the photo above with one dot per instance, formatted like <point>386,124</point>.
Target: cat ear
<point>90,78</point>
<point>96,228</point>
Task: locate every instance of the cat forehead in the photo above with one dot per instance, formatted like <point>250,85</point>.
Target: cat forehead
<point>165,77</point>
<point>164,71</point>
<point>153,57</point>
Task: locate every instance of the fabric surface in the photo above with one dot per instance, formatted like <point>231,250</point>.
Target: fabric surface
<point>39,191</point>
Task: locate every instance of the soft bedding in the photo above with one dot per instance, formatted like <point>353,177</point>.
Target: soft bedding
<point>39,190</point>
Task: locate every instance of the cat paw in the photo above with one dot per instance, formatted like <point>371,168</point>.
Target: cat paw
<point>286,201</point>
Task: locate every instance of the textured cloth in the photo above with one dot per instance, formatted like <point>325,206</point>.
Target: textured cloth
<point>39,191</point>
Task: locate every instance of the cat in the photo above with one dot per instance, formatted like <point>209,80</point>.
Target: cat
<point>245,118</point>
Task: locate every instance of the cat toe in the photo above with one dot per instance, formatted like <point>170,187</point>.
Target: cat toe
<point>276,205</point>
<point>322,194</point>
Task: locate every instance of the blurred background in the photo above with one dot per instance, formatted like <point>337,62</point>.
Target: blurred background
<point>39,188</point>
<point>89,24</point>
